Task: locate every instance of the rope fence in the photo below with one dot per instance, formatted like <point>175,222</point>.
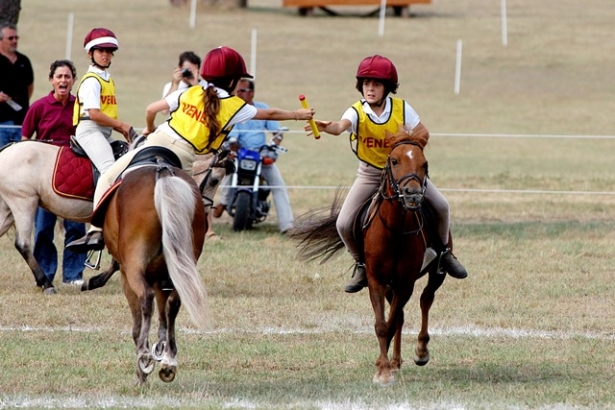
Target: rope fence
<point>462,190</point>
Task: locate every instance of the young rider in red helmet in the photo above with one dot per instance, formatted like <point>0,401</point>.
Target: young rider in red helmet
<point>200,119</point>
<point>371,117</point>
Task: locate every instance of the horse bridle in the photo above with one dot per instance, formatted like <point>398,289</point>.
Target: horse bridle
<point>395,184</point>
<point>397,192</point>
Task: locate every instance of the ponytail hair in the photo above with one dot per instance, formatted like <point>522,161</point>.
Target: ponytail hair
<point>212,106</point>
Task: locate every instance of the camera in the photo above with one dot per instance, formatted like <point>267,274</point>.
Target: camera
<point>186,73</point>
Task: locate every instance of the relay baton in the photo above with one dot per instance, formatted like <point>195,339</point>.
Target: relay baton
<point>313,125</point>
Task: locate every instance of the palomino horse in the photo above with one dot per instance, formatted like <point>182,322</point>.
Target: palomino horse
<point>26,172</point>
<point>395,230</point>
<point>154,227</point>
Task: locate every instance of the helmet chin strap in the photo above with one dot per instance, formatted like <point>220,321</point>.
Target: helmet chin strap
<point>95,64</point>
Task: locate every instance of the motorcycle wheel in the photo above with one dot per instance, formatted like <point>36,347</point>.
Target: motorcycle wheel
<point>241,220</point>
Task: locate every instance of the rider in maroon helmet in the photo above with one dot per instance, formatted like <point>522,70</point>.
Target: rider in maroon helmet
<point>200,119</point>
<point>368,121</point>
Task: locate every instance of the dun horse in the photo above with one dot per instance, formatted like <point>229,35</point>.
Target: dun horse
<point>26,173</point>
<point>154,228</point>
<point>395,229</point>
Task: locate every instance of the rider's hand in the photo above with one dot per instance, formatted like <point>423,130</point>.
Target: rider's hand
<point>304,114</point>
<point>321,125</point>
<point>124,129</point>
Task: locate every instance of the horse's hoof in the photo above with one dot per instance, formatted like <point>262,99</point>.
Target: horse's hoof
<point>50,291</point>
<point>383,380</point>
<point>421,361</point>
<point>167,373</point>
<point>146,364</point>
<point>158,350</point>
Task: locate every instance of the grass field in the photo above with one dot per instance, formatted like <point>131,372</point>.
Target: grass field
<point>531,328</point>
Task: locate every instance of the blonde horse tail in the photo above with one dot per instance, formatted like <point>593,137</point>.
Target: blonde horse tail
<point>175,203</point>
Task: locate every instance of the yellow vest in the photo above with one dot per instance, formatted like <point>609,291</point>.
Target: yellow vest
<point>370,144</point>
<point>108,102</point>
<point>189,120</point>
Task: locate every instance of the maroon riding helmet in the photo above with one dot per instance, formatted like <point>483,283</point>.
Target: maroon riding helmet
<point>223,62</point>
<point>100,38</point>
<point>378,68</point>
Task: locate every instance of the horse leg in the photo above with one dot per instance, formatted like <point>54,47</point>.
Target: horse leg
<point>421,353</point>
<point>383,374</point>
<point>161,301</point>
<point>168,368</point>
<point>24,226</point>
<point>396,323</point>
<point>140,298</point>
<point>101,279</point>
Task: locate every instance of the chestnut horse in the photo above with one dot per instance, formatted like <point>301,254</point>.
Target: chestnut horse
<point>395,229</point>
<point>154,227</point>
<point>26,172</point>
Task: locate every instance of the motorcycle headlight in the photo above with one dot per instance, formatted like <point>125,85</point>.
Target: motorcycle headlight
<point>247,164</point>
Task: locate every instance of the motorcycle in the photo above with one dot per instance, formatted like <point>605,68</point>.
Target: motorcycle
<point>250,203</point>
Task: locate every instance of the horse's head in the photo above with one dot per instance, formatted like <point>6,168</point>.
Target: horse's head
<point>209,170</point>
<point>406,169</point>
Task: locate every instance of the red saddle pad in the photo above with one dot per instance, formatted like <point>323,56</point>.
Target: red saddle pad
<point>73,176</point>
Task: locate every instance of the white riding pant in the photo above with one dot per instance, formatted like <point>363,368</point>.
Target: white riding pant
<point>364,187</point>
<point>96,142</point>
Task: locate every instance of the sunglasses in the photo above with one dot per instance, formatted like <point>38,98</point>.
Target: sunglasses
<point>244,90</point>
<point>11,38</point>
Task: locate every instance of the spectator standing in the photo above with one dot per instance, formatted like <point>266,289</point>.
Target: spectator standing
<point>251,135</point>
<point>16,85</point>
<point>51,119</point>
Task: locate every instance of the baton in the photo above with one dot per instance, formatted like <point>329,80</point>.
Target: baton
<point>313,125</point>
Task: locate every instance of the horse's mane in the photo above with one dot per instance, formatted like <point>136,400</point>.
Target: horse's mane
<point>405,134</point>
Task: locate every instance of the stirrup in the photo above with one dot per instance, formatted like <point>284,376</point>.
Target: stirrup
<point>96,264</point>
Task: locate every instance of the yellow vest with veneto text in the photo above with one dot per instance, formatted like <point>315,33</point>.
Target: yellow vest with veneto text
<point>108,102</point>
<point>371,145</point>
<point>190,119</point>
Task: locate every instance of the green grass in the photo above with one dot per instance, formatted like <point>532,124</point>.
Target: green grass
<point>531,328</point>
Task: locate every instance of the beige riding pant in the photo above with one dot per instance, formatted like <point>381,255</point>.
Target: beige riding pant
<point>364,186</point>
<point>183,150</point>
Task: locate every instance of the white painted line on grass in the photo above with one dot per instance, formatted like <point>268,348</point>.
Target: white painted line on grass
<point>467,331</point>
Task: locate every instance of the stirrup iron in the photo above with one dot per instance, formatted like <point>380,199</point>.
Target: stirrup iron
<point>88,263</point>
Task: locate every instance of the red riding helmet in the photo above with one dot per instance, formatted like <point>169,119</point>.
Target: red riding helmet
<point>100,38</point>
<point>379,68</point>
<point>224,62</point>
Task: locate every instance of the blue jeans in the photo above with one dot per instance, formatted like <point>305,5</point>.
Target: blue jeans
<point>9,134</point>
<point>45,251</point>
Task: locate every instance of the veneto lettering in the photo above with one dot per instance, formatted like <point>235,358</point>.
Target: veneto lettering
<point>108,100</point>
<point>193,112</point>
<point>371,142</point>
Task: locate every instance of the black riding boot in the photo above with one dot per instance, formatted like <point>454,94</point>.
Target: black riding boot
<point>358,280</point>
<point>450,264</point>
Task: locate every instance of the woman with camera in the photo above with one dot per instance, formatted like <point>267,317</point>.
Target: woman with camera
<point>185,75</point>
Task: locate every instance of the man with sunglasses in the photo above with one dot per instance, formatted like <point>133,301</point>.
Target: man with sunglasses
<point>251,134</point>
<point>16,85</point>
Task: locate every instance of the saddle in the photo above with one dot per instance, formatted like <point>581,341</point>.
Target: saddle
<point>148,156</point>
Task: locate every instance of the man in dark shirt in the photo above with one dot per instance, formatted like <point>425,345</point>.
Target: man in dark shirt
<point>16,85</point>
